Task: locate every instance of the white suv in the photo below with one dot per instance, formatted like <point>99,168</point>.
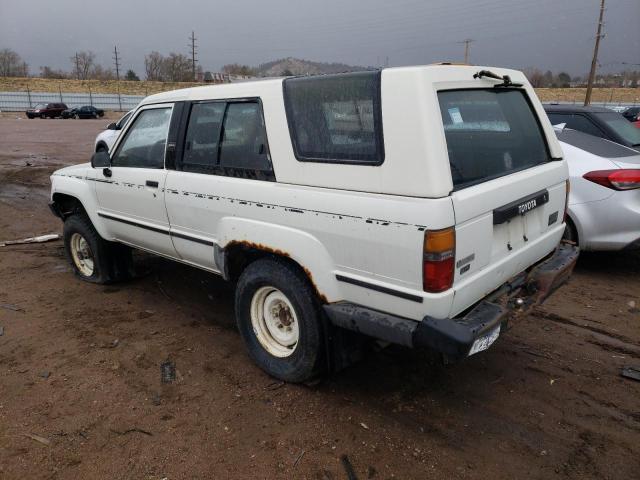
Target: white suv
<point>415,205</point>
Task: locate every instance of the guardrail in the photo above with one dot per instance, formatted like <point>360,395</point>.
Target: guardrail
<point>20,101</point>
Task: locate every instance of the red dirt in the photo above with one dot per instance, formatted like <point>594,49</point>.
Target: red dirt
<point>80,367</point>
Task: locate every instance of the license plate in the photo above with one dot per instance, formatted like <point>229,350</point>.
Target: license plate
<point>484,342</point>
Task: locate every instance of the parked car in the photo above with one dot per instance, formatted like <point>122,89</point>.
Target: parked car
<point>598,121</point>
<point>605,192</point>
<point>86,111</point>
<point>44,110</point>
<point>632,114</point>
<point>70,112</point>
<point>106,138</point>
<point>422,217</point>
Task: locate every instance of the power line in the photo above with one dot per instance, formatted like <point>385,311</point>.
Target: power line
<point>594,61</point>
<point>193,55</point>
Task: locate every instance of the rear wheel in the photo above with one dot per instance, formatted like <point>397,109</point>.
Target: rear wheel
<point>92,258</point>
<point>279,320</point>
<point>42,115</point>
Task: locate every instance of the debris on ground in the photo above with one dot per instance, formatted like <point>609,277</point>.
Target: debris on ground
<point>38,438</point>
<point>9,306</point>
<point>168,372</point>
<point>45,374</point>
<point>41,239</point>
<point>131,430</point>
<point>631,372</point>
<point>348,468</point>
<point>1,330</point>
<point>299,457</point>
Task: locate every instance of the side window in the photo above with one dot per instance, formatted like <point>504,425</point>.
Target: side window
<point>244,141</point>
<point>336,118</point>
<point>145,140</point>
<point>203,134</point>
<point>227,138</point>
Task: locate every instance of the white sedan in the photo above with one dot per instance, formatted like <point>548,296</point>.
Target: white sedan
<point>106,138</point>
<point>604,203</point>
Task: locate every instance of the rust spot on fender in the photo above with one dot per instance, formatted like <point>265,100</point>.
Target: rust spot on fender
<point>275,251</point>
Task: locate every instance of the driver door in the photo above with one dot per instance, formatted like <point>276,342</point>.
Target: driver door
<point>131,192</point>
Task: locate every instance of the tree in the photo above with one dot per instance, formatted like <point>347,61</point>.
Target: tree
<point>98,72</point>
<point>177,68</point>
<point>548,79</point>
<point>153,64</point>
<point>535,76</point>
<point>83,63</point>
<point>564,80</point>
<point>11,64</point>
<point>131,76</point>
<point>48,72</point>
<point>287,73</point>
<point>237,69</point>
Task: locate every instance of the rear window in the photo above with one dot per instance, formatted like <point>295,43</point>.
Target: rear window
<point>336,118</point>
<point>490,133</point>
<point>622,127</point>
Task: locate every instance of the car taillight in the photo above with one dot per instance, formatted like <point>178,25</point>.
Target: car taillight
<point>438,260</point>
<point>626,179</point>
<point>566,200</point>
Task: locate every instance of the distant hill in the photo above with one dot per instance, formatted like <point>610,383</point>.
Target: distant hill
<point>296,66</point>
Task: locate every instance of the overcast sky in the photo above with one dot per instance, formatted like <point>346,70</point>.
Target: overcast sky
<point>547,34</point>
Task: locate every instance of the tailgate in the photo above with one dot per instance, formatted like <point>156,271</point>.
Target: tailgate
<point>503,227</point>
<point>509,194</point>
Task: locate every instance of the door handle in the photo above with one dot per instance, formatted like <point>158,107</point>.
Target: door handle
<point>151,183</point>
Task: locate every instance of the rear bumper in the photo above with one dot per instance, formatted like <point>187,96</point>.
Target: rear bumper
<point>474,331</point>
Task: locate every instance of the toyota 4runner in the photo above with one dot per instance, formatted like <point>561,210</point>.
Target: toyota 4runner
<point>418,205</point>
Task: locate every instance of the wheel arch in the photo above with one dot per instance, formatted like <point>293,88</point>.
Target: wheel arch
<point>71,192</point>
<point>293,246</point>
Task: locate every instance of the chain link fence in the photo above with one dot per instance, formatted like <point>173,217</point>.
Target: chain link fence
<point>21,101</point>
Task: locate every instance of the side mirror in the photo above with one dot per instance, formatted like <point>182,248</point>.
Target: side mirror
<point>112,126</point>
<point>101,159</point>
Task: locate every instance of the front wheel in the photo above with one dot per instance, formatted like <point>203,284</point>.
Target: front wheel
<point>279,320</point>
<point>92,258</point>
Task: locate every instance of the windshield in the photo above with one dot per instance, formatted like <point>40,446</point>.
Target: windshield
<point>622,127</point>
<point>490,133</point>
<point>40,105</point>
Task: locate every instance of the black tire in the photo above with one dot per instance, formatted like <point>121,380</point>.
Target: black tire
<point>307,358</point>
<point>111,261</point>
<point>570,232</point>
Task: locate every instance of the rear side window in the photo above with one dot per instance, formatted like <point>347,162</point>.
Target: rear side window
<point>575,122</point>
<point>227,138</point>
<point>336,118</point>
<point>490,133</point>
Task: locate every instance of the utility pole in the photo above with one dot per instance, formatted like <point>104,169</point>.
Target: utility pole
<point>594,61</point>
<point>116,62</point>
<point>77,67</point>
<point>193,55</point>
<point>466,42</point>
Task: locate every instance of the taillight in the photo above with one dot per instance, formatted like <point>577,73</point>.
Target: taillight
<point>566,200</point>
<point>616,179</point>
<point>438,260</point>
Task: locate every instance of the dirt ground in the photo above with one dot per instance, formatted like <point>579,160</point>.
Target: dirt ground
<point>81,394</point>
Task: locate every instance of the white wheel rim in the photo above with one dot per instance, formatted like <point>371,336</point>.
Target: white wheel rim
<point>82,255</point>
<point>274,322</point>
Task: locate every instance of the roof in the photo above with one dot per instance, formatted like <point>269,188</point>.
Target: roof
<point>595,145</point>
<point>550,107</point>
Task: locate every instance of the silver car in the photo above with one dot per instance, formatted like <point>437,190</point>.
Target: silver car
<point>604,203</point>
